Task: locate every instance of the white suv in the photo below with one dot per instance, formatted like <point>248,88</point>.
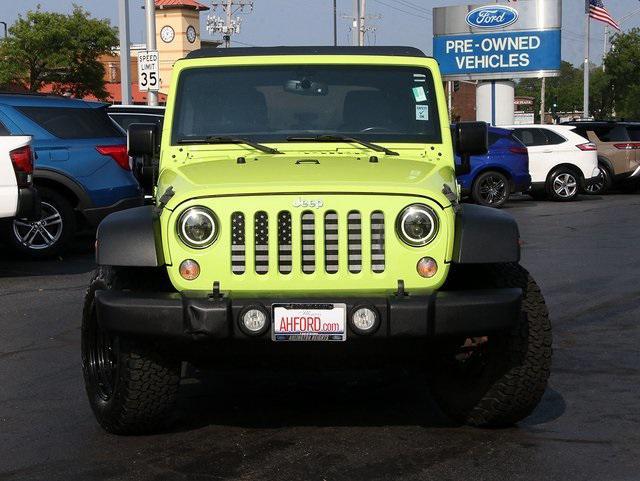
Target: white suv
<point>562,163</point>
<point>18,198</point>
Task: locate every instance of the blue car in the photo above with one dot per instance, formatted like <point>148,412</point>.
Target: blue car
<point>82,169</point>
<point>502,171</point>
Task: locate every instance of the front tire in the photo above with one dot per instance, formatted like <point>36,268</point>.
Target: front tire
<point>498,379</point>
<point>562,185</point>
<point>131,386</point>
<point>491,189</point>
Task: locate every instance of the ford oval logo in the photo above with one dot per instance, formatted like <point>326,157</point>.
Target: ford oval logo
<point>492,16</point>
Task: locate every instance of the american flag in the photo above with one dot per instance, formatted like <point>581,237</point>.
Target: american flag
<point>597,11</point>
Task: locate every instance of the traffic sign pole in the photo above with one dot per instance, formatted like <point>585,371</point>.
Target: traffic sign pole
<point>125,57</point>
<point>150,10</point>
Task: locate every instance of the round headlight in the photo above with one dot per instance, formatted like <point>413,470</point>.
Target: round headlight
<point>417,225</point>
<point>197,227</point>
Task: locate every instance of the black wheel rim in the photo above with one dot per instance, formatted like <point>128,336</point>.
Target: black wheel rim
<point>493,189</point>
<point>102,360</point>
<point>597,185</point>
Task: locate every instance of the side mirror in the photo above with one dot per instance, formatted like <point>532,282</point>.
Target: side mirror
<point>143,143</point>
<point>469,138</point>
<point>142,140</point>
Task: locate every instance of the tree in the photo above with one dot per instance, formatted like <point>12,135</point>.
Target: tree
<point>567,88</point>
<point>622,66</point>
<point>62,50</point>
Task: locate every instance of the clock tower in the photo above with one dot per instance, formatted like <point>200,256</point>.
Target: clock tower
<point>177,33</point>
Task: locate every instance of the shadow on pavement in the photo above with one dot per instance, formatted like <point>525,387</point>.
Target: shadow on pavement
<point>276,399</point>
<point>77,259</point>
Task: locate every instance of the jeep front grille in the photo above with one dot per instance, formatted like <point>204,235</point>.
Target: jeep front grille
<point>310,246</point>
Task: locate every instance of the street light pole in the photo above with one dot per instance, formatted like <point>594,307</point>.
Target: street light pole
<point>150,12</point>
<point>125,55</point>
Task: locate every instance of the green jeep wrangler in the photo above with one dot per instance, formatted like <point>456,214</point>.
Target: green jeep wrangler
<point>306,202</point>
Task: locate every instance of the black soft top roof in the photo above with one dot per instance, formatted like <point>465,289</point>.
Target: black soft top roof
<point>254,51</point>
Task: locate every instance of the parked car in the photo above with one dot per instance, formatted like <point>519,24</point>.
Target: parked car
<point>17,194</point>
<point>125,115</point>
<point>504,169</point>
<point>296,215</point>
<point>82,169</point>
<point>562,163</point>
<point>618,145</point>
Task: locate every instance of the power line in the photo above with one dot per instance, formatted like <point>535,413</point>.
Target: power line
<point>413,14</point>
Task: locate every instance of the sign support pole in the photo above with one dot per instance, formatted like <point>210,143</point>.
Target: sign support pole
<point>125,55</point>
<point>585,100</point>
<point>150,11</point>
<point>543,97</point>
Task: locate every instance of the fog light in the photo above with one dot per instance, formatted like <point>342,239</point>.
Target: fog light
<point>253,320</point>
<point>189,269</point>
<point>427,267</point>
<point>364,320</point>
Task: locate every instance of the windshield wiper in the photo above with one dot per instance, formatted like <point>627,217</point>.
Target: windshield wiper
<point>341,138</point>
<point>212,139</point>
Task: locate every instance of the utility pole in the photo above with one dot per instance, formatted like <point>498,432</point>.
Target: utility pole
<point>226,24</point>
<point>125,56</point>
<point>335,24</point>
<point>355,31</point>
<point>363,20</point>
<point>543,93</point>
<point>150,13</point>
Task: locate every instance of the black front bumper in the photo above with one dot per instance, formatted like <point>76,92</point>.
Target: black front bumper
<point>199,318</point>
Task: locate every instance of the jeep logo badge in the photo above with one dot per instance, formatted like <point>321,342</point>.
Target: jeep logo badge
<point>495,16</point>
<point>313,203</point>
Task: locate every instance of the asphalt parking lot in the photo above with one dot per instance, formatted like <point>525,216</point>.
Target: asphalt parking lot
<point>380,425</point>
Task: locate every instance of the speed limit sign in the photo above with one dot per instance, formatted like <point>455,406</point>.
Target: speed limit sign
<point>148,71</point>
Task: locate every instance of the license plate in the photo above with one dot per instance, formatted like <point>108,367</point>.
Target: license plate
<point>309,322</point>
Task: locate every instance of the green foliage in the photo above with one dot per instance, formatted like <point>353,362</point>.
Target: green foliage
<point>567,89</point>
<point>63,50</point>
<point>622,65</point>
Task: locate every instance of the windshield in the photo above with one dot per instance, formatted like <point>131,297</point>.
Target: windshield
<point>273,103</point>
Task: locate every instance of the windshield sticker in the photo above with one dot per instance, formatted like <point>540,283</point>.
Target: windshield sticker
<point>418,93</point>
<point>419,77</point>
<point>422,112</point>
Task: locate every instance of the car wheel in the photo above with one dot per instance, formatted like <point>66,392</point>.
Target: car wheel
<point>495,379</point>
<point>602,184</point>
<point>49,234</point>
<point>491,189</point>
<point>131,385</point>
<point>562,185</point>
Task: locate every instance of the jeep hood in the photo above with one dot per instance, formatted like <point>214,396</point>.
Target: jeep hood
<point>272,174</point>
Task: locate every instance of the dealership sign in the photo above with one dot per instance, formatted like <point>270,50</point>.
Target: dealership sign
<point>496,41</point>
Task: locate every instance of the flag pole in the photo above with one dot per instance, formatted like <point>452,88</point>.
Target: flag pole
<point>585,106</point>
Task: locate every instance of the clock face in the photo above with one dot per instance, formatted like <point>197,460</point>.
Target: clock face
<point>167,34</point>
<point>191,34</point>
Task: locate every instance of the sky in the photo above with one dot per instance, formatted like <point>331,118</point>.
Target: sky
<point>309,22</point>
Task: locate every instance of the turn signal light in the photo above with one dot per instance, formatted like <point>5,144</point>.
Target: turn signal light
<point>189,269</point>
<point>427,267</point>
